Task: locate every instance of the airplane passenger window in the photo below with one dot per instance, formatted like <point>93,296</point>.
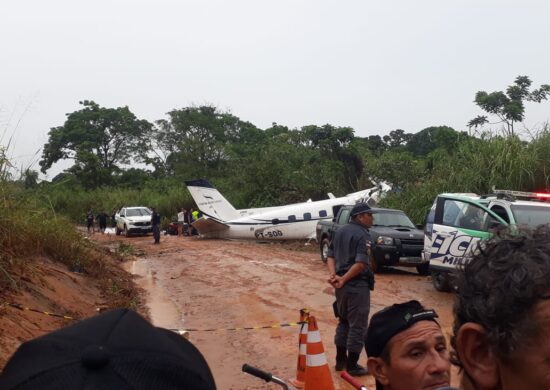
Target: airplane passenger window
<point>323,213</point>
<point>291,218</point>
<point>307,216</point>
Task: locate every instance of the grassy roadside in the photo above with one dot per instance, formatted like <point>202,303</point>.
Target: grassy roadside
<point>30,229</point>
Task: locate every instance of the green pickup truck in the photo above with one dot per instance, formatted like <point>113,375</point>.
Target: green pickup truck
<point>458,223</point>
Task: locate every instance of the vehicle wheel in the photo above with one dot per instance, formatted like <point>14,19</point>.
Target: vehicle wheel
<point>423,269</point>
<point>126,232</point>
<point>441,282</point>
<point>324,249</point>
<point>117,231</point>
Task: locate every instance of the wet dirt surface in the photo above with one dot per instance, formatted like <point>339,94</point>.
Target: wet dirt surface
<point>194,283</point>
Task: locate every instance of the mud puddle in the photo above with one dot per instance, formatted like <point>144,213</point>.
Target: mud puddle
<point>162,310</point>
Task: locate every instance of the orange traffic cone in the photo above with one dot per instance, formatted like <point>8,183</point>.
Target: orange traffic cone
<point>298,382</point>
<point>318,376</point>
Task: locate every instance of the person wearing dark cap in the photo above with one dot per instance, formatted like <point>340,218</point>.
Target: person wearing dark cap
<point>115,350</point>
<point>407,350</point>
<point>348,262</point>
<point>155,223</point>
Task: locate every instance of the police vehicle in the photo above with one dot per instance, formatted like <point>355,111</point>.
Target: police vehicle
<point>458,222</point>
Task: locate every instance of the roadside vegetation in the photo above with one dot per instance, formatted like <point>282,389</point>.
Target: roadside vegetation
<point>31,229</point>
<point>120,160</point>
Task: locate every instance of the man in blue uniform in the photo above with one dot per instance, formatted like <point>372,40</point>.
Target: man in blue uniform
<point>350,274</point>
<point>155,223</point>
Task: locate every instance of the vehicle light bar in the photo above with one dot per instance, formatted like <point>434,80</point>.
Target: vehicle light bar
<point>522,194</point>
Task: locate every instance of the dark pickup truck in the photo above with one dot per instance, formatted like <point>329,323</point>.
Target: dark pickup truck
<point>395,239</point>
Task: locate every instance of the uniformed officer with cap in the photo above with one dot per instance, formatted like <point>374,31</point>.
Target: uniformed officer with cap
<point>350,274</point>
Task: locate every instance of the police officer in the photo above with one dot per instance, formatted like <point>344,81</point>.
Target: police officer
<point>155,223</point>
<point>350,274</point>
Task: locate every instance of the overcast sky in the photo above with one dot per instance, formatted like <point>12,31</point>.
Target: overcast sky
<point>373,65</point>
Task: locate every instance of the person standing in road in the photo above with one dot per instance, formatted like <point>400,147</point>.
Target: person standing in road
<point>155,223</point>
<point>102,219</point>
<point>195,215</point>
<point>188,220</point>
<point>350,274</point>
<point>113,217</point>
<point>182,215</point>
<point>90,221</point>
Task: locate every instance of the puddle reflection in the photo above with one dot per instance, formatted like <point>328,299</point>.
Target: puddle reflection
<point>163,311</point>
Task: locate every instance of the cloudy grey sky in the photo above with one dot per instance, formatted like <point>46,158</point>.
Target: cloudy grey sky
<point>373,65</point>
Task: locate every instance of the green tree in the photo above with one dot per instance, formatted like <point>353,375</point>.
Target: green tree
<point>336,143</point>
<point>396,138</point>
<point>29,177</point>
<point>99,139</point>
<point>400,168</point>
<point>376,144</point>
<point>508,106</point>
<point>195,139</point>
<point>431,138</point>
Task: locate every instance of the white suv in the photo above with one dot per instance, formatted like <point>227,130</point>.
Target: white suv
<point>130,220</point>
<point>457,223</point>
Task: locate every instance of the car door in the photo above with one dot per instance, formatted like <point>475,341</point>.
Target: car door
<point>459,226</point>
<point>119,217</point>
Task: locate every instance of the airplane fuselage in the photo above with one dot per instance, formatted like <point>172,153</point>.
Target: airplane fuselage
<point>296,221</point>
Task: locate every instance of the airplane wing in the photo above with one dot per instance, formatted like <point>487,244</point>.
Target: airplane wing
<point>207,225</point>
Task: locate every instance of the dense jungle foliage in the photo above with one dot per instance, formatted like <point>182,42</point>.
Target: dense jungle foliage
<point>122,160</point>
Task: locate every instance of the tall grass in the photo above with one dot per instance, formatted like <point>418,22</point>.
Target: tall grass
<point>29,229</point>
<point>477,166</point>
<point>73,201</point>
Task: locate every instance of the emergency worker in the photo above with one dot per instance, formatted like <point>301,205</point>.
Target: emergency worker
<point>348,264</point>
<point>195,214</point>
<point>155,223</point>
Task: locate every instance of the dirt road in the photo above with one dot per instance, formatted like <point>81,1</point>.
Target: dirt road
<point>195,283</point>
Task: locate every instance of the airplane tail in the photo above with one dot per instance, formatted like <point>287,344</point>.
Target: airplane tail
<point>210,201</point>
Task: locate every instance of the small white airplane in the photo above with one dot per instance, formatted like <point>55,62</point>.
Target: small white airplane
<point>296,221</point>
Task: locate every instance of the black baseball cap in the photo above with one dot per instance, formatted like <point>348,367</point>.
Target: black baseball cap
<point>360,208</point>
<point>393,320</point>
<point>115,350</point>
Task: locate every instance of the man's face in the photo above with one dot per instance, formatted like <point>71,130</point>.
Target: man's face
<point>419,359</point>
<point>529,367</point>
<point>365,219</point>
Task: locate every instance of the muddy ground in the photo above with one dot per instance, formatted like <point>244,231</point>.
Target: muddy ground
<point>194,283</point>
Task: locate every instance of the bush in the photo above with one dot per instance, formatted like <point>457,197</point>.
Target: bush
<point>29,228</point>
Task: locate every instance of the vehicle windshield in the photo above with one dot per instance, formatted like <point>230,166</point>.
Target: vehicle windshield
<point>392,220</point>
<point>531,216</point>
<point>138,212</point>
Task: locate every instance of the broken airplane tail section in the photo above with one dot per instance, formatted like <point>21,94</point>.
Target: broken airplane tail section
<point>210,201</point>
